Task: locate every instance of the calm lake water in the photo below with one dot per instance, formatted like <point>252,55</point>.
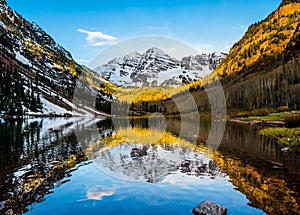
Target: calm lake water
<point>100,166</point>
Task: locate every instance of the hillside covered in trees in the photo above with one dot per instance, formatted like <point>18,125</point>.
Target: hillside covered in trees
<point>262,70</point>
<point>266,44</point>
<point>39,77</point>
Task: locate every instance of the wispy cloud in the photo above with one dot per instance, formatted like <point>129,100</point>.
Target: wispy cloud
<point>97,38</point>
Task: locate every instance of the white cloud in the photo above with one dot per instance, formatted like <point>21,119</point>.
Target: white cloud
<point>97,38</point>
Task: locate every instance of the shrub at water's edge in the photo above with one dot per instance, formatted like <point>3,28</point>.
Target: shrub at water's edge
<point>285,136</point>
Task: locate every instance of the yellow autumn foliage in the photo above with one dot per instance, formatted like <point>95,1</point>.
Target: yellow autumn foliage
<point>267,38</point>
<point>147,94</point>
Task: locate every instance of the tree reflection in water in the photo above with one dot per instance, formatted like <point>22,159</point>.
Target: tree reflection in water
<point>35,158</point>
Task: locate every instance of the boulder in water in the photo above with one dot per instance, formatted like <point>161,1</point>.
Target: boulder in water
<point>209,208</point>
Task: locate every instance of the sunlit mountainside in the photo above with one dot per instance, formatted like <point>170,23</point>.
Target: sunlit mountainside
<point>266,43</point>
<point>262,69</point>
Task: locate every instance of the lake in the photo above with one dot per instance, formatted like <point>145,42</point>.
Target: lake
<point>142,166</point>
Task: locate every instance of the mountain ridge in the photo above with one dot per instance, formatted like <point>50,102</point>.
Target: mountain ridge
<point>155,68</point>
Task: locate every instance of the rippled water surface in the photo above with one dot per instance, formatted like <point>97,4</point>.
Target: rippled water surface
<point>96,166</point>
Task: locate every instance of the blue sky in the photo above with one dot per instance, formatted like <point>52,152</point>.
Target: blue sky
<point>85,28</point>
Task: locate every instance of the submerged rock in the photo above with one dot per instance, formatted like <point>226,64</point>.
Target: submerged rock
<point>209,208</point>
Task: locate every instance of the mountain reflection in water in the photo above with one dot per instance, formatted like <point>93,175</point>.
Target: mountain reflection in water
<point>39,155</point>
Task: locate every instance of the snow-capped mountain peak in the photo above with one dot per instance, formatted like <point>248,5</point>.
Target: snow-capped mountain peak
<point>156,60</point>
<point>157,68</point>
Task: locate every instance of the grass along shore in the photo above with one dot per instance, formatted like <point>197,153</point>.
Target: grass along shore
<point>282,126</point>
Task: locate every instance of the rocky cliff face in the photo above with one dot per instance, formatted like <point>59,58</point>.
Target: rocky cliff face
<point>156,68</point>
